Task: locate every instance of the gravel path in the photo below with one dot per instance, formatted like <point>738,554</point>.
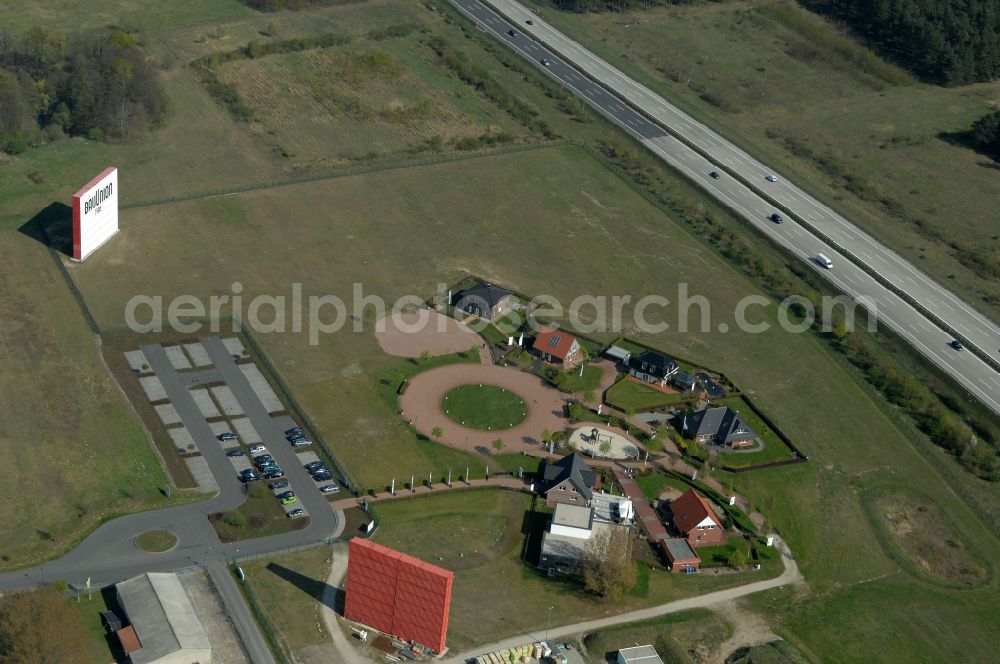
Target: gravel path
<point>421,405</point>
<point>423,331</point>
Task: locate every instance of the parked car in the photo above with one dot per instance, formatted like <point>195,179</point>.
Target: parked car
<point>226,435</point>
<point>263,457</point>
<point>285,494</point>
<point>329,488</point>
<point>301,442</point>
<point>280,484</point>
<point>291,500</point>
<point>322,476</point>
<point>293,430</point>
<point>236,453</point>
<point>274,474</point>
<point>294,514</point>
<point>312,465</point>
<point>258,449</point>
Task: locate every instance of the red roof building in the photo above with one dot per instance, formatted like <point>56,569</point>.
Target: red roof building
<point>694,517</point>
<point>557,347</point>
<point>397,594</point>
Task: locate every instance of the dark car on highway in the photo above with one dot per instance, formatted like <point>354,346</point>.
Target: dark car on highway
<point>956,344</point>
<point>714,175</point>
<point>512,32</point>
<point>776,218</point>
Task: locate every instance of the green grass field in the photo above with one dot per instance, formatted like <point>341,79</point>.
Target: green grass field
<point>261,515</point>
<point>19,15</point>
<point>478,535</point>
<point>484,407</point>
<point>290,589</point>
<point>674,636</point>
<point>628,395</point>
<point>871,142</point>
<point>774,448</point>
<point>156,541</point>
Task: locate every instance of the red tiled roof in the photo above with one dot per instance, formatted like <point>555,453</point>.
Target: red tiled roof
<point>397,594</point>
<point>689,510</point>
<point>554,342</point>
<point>129,639</point>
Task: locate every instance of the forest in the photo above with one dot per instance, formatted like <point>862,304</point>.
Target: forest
<point>946,42</point>
<point>93,84</point>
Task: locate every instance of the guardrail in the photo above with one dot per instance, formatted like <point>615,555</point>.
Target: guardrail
<point>858,262</point>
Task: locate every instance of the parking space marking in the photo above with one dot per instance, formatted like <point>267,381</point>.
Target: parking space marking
<point>202,474</point>
<point>153,388</point>
<point>182,439</point>
<point>203,400</point>
<point>136,361</point>
<point>198,354</point>
<point>246,432</point>
<point>226,400</point>
<point>234,346</point>
<point>178,360</point>
<point>261,388</point>
<point>168,414</point>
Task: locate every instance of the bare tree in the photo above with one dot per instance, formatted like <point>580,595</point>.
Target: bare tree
<point>608,569</point>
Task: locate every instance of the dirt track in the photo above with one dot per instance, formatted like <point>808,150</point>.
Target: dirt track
<point>421,405</point>
<point>423,331</point>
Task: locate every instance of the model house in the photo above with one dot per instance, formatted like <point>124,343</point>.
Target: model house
<point>568,480</point>
<point>652,367</point>
<point>557,347</point>
<point>718,426</point>
<point>694,519</point>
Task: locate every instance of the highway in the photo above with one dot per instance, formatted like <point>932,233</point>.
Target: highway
<point>751,202</point>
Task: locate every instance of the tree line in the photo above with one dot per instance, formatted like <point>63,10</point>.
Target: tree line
<point>949,42</point>
<point>93,84</point>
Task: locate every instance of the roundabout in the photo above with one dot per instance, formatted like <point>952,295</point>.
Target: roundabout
<point>484,407</point>
<point>484,395</point>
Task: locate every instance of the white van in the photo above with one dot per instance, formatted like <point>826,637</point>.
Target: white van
<point>824,261</point>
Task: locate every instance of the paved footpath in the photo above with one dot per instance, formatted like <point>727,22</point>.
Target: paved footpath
<point>504,481</point>
<point>790,576</point>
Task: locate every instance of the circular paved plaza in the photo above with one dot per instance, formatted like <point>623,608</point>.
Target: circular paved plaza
<point>421,406</point>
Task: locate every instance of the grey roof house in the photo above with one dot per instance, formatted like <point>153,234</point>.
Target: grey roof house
<point>652,367</point>
<point>164,621</point>
<point>569,479</point>
<point>485,301</point>
<point>718,426</point>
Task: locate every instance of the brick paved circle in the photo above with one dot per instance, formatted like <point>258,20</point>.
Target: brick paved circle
<point>421,406</point>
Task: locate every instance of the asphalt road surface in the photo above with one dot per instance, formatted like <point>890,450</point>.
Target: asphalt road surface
<point>109,554</point>
<point>920,330</point>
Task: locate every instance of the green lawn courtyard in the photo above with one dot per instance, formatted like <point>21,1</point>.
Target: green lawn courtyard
<point>484,407</point>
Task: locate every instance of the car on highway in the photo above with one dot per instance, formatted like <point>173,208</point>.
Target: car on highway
<point>273,474</point>
<point>512,32</point>
<point>226,435</point>
<point>530,22</point>
<point>546,62</point>
<point>258,449</point>
<point>236,453</point>
<point>824,261</point>
<point>770,178</point>
<point>329,488</point>
<point>294,514</point>
<point>280,484</point>
<point>714,175</point>
<point>956,344</point>
<point>776,218</point>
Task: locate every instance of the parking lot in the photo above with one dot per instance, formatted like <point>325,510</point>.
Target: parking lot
<point>216,404</point>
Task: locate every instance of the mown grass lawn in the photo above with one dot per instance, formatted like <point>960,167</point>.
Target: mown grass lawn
<point>630,396</point>
<point>484,407</point>
<point>261,515</point>
<point>156,541</point>
<point>289,589</point>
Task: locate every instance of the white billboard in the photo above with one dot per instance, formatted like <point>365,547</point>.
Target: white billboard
<point>95,213</point>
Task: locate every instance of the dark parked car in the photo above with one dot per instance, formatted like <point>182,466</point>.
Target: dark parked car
<point>312,465</point>
<point>280,484</point>
<point>323,476</point>
<point>236,453</point>
<point>293,431</point>
<point>274,474</point>
<point>329,488</point>
<point>285,494</point>
<point>226,435</point>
